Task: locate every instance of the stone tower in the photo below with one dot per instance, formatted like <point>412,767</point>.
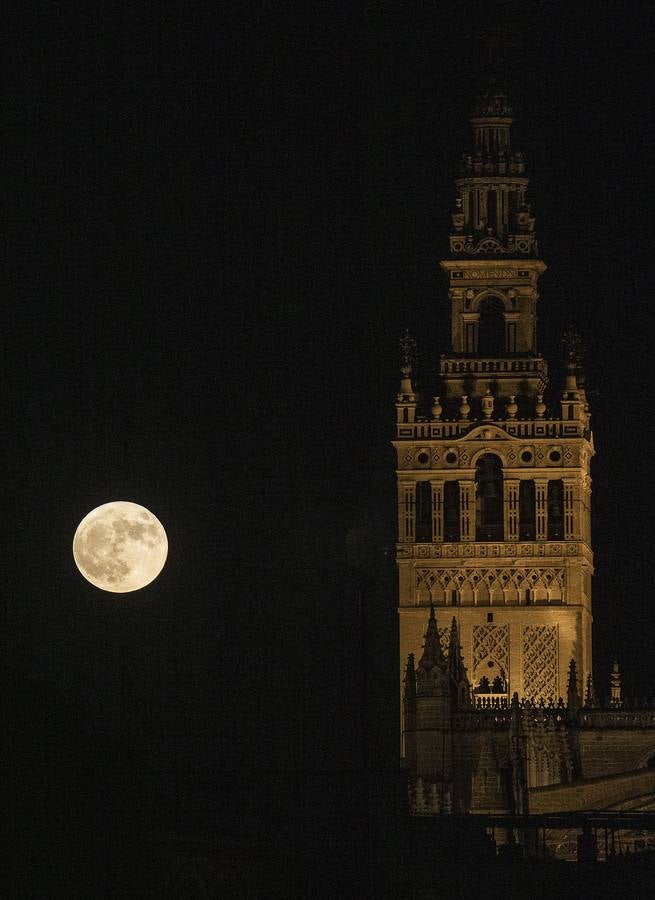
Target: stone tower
<point>493,486</point>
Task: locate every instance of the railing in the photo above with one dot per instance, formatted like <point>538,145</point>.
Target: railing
<point>495,711</point>
<point>492,366</point>
<point>488,711</point>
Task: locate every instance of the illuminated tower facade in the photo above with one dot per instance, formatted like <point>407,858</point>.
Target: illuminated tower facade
<point>493,486</point>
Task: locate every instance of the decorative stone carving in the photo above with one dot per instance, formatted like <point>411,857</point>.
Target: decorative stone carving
<point>545,584</point>
<point>491,642</point>
<point>486,274</point>
<point>540,661</point>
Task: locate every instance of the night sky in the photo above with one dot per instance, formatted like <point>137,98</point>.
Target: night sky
<point>224,219</point>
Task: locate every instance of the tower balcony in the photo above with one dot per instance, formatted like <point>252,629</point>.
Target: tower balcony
<point>486,366</point>
<point>521,376</point>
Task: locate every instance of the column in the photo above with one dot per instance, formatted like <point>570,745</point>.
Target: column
<point>586,509</point>
<point>466,205</point>
<point>437,511</point>
<point>571,509</point>
<point>467,510</point>
<point>483,207</point>
<point>406,511</point>
<point>511,508</point>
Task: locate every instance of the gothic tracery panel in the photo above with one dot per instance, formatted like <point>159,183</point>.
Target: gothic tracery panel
<point>540,661</point>
<point>491,646</point>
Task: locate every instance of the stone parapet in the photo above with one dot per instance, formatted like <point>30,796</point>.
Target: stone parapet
<point>633,717</point>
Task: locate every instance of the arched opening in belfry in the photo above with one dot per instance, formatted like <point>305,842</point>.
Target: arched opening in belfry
<point>491,328</point>
<point>451,511</point>
<point>527,523</point>
<point>489,498</point>
<point>423,512</point>
<point>556,510</point>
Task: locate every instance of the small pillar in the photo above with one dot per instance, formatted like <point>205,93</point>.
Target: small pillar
<point>487,404</point>
<point>615,685</point>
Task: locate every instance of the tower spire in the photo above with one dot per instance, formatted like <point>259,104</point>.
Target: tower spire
<point>459,682</point>
<point>406,399</point>
<point>493,268</point>
<point>487,793</point>
<point>455,661</point>
<point>590,696</point>
<point>574,398</point>
<point>615,685</point>
<point>410,679</point>
<point>574,700</point>
<point>492,216</point>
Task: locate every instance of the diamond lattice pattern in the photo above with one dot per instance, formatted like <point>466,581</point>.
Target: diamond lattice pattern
<point>491,642</point>
<point>540,662</point>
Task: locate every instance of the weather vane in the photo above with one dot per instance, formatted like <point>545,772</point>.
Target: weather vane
<point>407,349</point>
<point>573,345</point>
<point>498,41</point>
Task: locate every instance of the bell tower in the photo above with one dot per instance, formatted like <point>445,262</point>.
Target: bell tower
<point>494,486</point>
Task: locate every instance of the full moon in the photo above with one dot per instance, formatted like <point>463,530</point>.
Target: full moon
<point>120,547</point>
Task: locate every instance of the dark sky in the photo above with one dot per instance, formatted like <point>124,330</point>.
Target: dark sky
<point>224,219</point>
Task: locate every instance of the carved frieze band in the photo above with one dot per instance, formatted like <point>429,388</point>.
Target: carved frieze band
<point>486,274</point>
<point>504,585</point>
<point>486,550</point>
<point>500,578</point>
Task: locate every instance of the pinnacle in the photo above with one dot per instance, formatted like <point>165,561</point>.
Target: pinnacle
<point>432,652</point>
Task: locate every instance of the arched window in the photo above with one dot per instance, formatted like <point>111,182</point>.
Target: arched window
<point>489,498</point>
<point>423,512</point>
<point>556,510</point>
<point>491,329</point>
<point>527,523</point>
<point>451,511</point>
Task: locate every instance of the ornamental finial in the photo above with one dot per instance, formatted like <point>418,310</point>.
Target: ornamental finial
<point>407,351</point>
<point>573,345</point>
<point>615,684</point>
